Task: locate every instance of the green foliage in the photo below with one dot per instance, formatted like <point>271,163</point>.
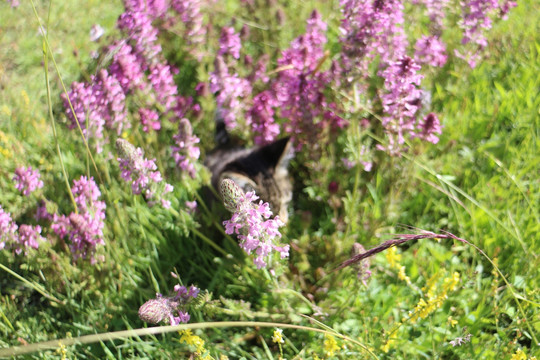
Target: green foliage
<point>480,182</point>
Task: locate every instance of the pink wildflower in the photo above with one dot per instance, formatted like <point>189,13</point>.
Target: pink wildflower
<point>8,229</point>
<point>27,180</point>
<point>84,229</point>
<point>171,309</point>
<point>142,174</point>
<point>252,224</point>
<point>229,43</point>
<point>430,50</point>
<point>185,152</point>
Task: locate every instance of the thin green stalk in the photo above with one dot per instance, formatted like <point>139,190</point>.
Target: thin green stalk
<point>49,51</point>
<point>513,179</point>
<point>32,285</point>
<point>6,320</point>
<point>514,294</point>
<point>208,241</point>
<point>470,198</point>
<point>125,334</point>
<point>216,224</point>
<point>51,117</point>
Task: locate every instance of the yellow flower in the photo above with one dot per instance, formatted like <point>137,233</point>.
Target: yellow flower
<point>6,110</point>
<point>450,284</point>
<point>402,276</point>
<point>26,99</point>
<point>186,336</point>
<point>278,336</point>
<point>452,322</point>
<point>393,257</point>
<point>386,347</point>
<point>434,300</point>
<point>330,345</point>
<point>519,355</point>
<point>62,351</point>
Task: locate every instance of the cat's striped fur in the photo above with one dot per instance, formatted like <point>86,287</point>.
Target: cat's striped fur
<point>262,169</point>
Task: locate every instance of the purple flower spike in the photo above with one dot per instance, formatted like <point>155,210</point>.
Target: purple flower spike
<point>401,102</point>
<point>27,180</point>
<point>186,153</point>
<point>28,238</point>
<point>430,50</point>
<point>476,19</point>
<point>370,29</point>
<point>192,17</point>
<point>430,126</point>
<point>231,90</point>
<point>252,224</point>
<point>8,229</point>
<point>229,43</point>
<point>171,309</point>
<point>84,229</point>
<point>18,238</point>
<point>142,174</point>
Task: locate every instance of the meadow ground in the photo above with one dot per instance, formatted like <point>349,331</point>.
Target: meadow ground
<point>426,299</point>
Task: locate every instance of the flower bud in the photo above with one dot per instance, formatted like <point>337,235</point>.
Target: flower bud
<point>155,310</point>
<point>231,193</point>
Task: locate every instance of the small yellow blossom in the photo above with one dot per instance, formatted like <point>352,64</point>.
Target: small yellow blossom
<point>5,152</point>
<point>393,257</point>
<point>386,347</point>
<point>330,345</point>
<point>6,110</point>
<point>434,299</point>
<point>186,336</point>
<point>452,322</point>
<point>450,284</point>
<point>431,286</point>
<point>26,99</point>
<point>278,336</point>
<point>519,355</point>
<point>62,351</point>
<point>402,276</point>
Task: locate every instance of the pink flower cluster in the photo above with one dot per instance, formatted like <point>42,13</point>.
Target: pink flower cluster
<point>190,12</point>
<point>297,91</point>
<point>251,223</point>
<point>83,228</point>
<point>137,70</point>
<point>430,50</point>
<point>232,92</point>
<point>97,105</point>
<point>27,180</point>
<point>142,174</point>
<point>229,43</point>
<point>171,309</point>
<point>18,238</point>
<point>14,3</point>
<point>476,19</point>
<point>435,10</point>
<point>370,28</point>
<point>402,102</point>
<point>185,152</point>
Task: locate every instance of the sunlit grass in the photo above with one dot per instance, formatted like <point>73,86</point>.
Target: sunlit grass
<point>479,182</point>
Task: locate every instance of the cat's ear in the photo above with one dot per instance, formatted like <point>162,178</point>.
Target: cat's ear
<point>241,180</point>
<point>278,154</point>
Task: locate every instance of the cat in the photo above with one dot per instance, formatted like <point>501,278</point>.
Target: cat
<point>262,169</point>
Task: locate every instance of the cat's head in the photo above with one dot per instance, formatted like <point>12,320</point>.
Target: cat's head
<point>264,170</point>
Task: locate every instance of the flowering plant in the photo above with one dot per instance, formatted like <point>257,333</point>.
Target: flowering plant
<point>252,224</point>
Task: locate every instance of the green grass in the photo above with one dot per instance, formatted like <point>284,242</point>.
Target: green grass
<point>480,182</point>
